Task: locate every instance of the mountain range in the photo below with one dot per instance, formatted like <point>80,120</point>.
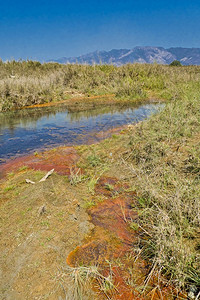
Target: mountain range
<point>160,55</point>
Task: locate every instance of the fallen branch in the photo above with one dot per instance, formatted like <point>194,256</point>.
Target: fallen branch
<point>47,175</point>
<point>29,181</point>
<point>43,178</point>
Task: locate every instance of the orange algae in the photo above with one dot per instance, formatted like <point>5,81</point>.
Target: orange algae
<point>111,240</point>
<point>68,101</point>
<point>112,237</point>
<point>62,160</point>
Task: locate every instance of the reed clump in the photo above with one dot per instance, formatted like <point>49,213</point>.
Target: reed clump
<point>24,83</point>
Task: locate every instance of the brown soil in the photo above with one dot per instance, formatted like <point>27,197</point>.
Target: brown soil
<point>34,246</point>
<point>40,224</point>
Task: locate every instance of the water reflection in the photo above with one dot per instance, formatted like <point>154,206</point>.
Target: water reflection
<point>28,130</point>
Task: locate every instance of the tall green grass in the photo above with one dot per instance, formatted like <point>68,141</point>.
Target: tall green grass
<point>164,154</point>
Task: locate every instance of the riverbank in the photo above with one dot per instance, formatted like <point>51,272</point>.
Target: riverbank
<point>30,83</point>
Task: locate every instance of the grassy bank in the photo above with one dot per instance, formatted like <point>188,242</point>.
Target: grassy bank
<point>31,83</point>
<point>164,157</point>
<point>160,160</point>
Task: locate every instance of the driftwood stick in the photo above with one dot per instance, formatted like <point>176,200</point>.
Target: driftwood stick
<point>29,181</point>
<point>47,175</point>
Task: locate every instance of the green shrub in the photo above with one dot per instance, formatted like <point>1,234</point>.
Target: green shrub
<point>176,63</point>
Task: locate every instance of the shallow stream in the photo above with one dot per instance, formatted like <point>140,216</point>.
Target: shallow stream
<point>28,130</point>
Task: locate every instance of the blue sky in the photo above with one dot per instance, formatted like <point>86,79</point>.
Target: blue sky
<point>52,29</point>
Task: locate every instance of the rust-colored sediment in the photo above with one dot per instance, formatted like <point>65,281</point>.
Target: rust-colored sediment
<point>70,101</point>
<point>62,160</point>
<point>113,239</point>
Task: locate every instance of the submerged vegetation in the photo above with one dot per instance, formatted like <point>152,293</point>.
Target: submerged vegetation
<point>158,158</point>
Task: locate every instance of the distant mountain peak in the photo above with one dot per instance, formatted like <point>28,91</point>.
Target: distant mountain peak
<point>139,54</point>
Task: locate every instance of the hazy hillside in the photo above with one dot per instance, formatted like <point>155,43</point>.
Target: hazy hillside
<point>187,56</point>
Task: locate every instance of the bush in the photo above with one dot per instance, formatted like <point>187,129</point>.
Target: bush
<point>176,63</point>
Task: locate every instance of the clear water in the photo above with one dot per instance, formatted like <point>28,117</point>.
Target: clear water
<point>26,131</point>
